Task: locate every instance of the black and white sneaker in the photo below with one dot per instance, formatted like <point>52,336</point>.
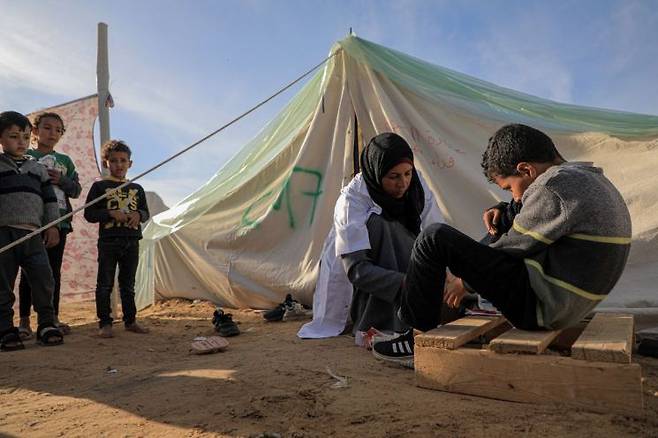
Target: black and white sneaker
<point>289,310</point>
<point>399,350</point>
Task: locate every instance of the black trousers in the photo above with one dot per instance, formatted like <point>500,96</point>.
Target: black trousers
<point>55,258</point>
<point>124,253</point>
<point>494,274</point>
<point>32,258</point>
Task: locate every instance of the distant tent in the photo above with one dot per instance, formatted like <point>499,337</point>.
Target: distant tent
<point>254,231</point>
<point>155,203</point>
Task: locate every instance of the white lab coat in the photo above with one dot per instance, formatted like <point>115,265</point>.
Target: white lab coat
<point>333,291</point>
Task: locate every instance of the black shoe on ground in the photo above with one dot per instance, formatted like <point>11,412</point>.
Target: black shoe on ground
<point>289,310</point>
<point>277,313</point>
<point>224,324</point>
<point>398,350</point>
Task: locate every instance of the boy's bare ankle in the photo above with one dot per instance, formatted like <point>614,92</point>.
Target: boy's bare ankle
<point>106,332</point>
<point>136,328</point>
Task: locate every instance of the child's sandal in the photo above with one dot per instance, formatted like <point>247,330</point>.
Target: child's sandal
<point>49,336</point>
<point>24,333</point>
<point>64,328</point>
<point>10,340</point>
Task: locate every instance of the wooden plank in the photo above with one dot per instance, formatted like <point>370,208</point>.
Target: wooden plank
<point>522,341</point>
<point>457,333</point>
<point>542,379</point>
<point>607,338</point>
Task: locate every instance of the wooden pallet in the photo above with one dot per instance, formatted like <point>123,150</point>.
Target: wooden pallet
<point>516,365</point>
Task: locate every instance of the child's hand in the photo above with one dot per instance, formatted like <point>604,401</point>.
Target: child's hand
<point>51,237</point>
<point>118,216</point>
<point>453,291</point>
<point>490,219</point>
<point>134,219</point>
<point>55,176</point>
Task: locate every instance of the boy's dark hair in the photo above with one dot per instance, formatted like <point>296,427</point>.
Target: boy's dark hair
<point>513,144</point>
<point>52,115</point>
<point>114,146</point>
<point>11,118</point>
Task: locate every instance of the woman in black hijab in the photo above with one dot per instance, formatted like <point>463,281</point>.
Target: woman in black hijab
<point>388,177</point>
<point>387,167</point>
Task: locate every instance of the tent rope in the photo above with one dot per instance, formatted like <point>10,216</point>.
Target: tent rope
<point>162,163</point>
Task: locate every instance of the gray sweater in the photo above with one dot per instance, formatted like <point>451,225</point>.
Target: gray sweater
<point>26,194</point>
<point>574,233</point>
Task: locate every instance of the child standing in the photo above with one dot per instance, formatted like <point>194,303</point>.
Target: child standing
<point>48,130</point>
<point>119,217</point>
<point>27,202</point>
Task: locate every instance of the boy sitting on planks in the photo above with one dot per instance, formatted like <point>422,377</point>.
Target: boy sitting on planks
<point>565,251</point>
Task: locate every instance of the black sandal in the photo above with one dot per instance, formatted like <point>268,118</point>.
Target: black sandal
<point>49,336</point>
<point>10,340</point>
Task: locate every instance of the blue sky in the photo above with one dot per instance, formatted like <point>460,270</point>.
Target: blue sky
<point>180,69</point>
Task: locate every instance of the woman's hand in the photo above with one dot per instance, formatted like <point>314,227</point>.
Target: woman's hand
<point>453,291</point>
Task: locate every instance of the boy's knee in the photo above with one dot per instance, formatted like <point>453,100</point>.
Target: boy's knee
<point>103,290</point>
<point>434,233</point>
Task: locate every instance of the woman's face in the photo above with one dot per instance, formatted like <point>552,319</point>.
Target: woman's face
<point>396,181</point>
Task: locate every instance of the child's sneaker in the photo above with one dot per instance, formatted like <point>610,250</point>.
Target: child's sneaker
<point>289,310</point>
<point>275,314</point>
<point>224,324</point>
<point>136,328</point>
<point>399,350</point>
<point>106,331</point>
<point>295,310</point>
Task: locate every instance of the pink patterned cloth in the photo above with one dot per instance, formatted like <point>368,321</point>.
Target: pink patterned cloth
<point>80,255</point>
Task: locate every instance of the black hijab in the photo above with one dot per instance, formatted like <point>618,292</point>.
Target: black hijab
<point>384,152</point>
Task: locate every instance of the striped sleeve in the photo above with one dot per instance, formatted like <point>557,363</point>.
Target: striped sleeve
<point>542,220</point>
<point>50,207</point>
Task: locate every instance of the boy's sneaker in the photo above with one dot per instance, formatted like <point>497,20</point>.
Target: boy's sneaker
<point>224,324</point>
<point>136,328</point>
<point>289,310</point>
<point>106,331</point>
<point>296,310</point>
<point>399,350</point>
<point>276,314</point>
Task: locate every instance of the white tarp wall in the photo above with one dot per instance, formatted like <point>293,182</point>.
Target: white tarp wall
<point>254,232</point>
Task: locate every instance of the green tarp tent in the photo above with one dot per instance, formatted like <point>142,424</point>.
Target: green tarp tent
<point>255,230</point>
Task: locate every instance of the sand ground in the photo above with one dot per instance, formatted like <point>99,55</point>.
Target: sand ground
<point>267,383</point>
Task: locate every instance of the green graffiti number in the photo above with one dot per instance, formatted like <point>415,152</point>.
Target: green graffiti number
<point>284,197</point>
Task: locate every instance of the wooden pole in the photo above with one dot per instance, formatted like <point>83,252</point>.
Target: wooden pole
<point>103,82</point>
<point>103,85</point>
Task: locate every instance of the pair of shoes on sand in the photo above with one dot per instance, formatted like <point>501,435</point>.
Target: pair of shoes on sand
<point>288,310</point>
<point>25,331</point>
<point>106,330</point>
<point>224,324</point>
<point>48,335</point>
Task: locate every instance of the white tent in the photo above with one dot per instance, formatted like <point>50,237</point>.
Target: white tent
<point>254,231</point>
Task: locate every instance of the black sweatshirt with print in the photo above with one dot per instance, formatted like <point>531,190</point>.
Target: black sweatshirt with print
<point>128,199</point>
